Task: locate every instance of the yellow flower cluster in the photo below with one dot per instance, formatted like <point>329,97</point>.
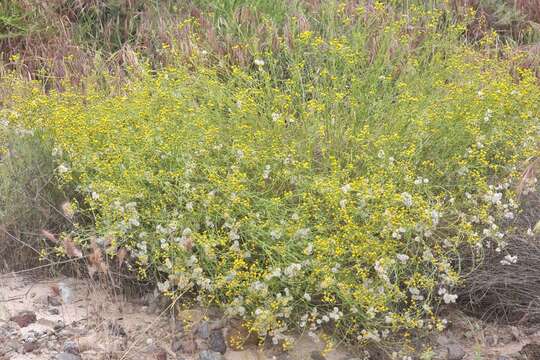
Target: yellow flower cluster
<point>338,191</point>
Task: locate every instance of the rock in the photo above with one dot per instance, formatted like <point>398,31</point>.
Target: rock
<point>210,355</point>
<point>316,355</point>
<point>30,346</point>
<point>4,313</point>
<point>54,311</point>
<point>160,354</point>
<point>443,340</point>
<point>24,318</point>
<point>67,356</point>
<point>454,352</point>
<point>53,301</point>
<point>216,342</point>
<point>71,347</point>
<point>187,346</point>
<point>203,330</point>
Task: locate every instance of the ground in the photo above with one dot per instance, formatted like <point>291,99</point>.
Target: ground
<point>78,319</point>
<point>70,319</point>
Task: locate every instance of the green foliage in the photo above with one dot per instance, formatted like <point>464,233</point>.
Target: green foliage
<point>332,183</point>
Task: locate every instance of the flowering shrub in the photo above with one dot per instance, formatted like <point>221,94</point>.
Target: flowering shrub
<point>323,187</point>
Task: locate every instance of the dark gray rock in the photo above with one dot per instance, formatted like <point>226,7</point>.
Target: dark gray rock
<point>454,352</point>
<point>53,301</point>
<point>210,355</point>
<point>216,342</point>
<point>203,330</point>
<point>316,355</point>
<point>54,311</point>
<point>71,347</point>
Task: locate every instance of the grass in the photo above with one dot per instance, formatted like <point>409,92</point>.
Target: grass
<point>318,167</point>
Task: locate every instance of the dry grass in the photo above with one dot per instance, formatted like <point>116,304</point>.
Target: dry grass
<point>510,293</point>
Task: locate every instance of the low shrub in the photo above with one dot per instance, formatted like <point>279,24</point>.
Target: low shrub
<point>29,196</point>
<point>331,186</point>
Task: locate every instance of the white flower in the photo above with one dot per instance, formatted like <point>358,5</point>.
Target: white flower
<point>302,233</point>
<point>309,249</point>
<point>164,286</point>
<point>494,198</point>
<point>62,169</point>
<point>189,206</point>
<point>95,195</point>
<point>488,115</point>
<point>435,215</point>
<point>402,257</point>
<point>381,154</point>
<point>266,172</point>
<point>343,203</point>
<point>509,215</point>
<point>407,199</point>
<point>509,259</point>
<point>275,234</point>
<point>307,297</point>
<point>346,188</point>
<point>449,298</point>
<point>259,62</point>
<point>275,117</point>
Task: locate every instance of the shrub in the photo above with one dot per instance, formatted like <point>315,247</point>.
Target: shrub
<point>29,196</point>
<point>331,185</point>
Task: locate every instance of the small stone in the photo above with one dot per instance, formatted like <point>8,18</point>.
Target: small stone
<point>53,301</point>
<point>443,340</point>
<point>160,354</point>
<point>30,346</point>
<point>59,326</point>
<point>67,356</point>
<point>316,355</point>
<point>217,342</point>
<point>71,347</point>
<point>24,318</point>
<point>187,346</point>
<point>210,355</point>
<point>203,330</point>
<point>54,311</point>
<point>454,352</point>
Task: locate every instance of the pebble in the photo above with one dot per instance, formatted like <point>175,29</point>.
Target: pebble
<point>67,356</point>
<point>210,355</point>
<point>71,347</point>
<point>216,342</point>
<point>316,355</point>
<point>53,301</point>
<point>24,318</point>
<point>203,330</point>
<point>30,346</point>
<point>454,352</point>
<point>54,311</point>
